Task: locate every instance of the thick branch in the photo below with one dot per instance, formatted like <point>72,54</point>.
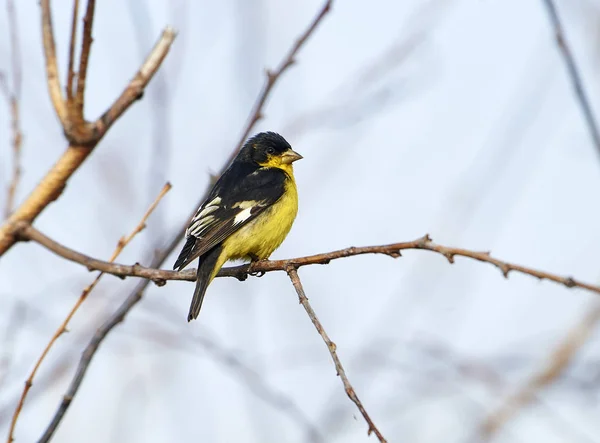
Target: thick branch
<point>293,274</point>
<point>160,276</point>
<point>55,180</point>
<point>138,83</point>
<point>574,74</point>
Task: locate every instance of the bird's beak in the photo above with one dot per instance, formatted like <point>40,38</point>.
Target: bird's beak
<point>290,157</point>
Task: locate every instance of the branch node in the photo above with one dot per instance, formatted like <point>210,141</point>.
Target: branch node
<point>395,253</point>
<point>159,281</point>
<point>449,256</point>
<point>570,282</point>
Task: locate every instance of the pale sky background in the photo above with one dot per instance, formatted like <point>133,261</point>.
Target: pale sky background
<point>453,118</point>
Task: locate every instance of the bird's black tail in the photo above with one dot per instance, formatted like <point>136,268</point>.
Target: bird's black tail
<point>206,268</point>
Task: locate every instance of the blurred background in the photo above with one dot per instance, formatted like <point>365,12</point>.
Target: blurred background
<point>453,118</point>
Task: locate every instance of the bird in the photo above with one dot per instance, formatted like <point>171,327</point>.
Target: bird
<point>247,214</point>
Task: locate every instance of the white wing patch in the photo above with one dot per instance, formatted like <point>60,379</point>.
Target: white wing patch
<point>243,216</point>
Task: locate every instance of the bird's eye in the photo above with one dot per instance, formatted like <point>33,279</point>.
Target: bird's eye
<point>270,151</point>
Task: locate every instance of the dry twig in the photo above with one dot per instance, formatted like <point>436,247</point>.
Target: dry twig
<point>559,360</point>
<point>293,274</point>
<point>13,97</point>
<point>272,76</point>
<point>574,74</point>
<point>160,276</point>
<point>83,136</point>
<point>121,244</point>
<point>159,258</point>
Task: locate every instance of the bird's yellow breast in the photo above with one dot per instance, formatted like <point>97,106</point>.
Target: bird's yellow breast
<point>260,237</point>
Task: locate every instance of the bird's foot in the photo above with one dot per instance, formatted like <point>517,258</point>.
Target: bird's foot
<point>254,261</point>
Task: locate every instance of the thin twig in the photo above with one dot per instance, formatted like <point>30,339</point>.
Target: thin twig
<point>52,185</point>
<point>293,274</point>
<point>72,42</point>
<point>559,360</point>
<point>88,354</point>
<point>121,244</point>
<point>272,76</point>
<point>13,97</point>
<point>84,56</point>
<point>574,73</point>
<point>160,276</point>
<point>257,110</point>
<point>136,295</point>
<point>52,75</point>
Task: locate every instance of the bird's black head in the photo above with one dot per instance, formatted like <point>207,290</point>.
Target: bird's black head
<point>269,149</point>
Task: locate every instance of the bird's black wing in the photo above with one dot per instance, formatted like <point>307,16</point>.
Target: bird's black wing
<point>243,192</point>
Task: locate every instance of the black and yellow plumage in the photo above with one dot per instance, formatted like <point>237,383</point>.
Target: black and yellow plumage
<point>248,213</point>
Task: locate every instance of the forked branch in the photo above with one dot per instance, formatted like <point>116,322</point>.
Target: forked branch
<point>82,136</point>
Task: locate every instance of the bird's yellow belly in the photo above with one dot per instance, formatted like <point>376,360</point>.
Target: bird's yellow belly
<point>260,237</point>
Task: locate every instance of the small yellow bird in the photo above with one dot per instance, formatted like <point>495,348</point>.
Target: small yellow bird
<point>248,213</point>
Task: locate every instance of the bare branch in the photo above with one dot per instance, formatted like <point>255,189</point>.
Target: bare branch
<point>160,276</point>
<point>84,56</point>
<point>559,360</point>
<point>123,241</point>
<point>86,357</point>
<point>16,65</point>
<point>272,76</point>
<point>52,185</point>
<point>17,141</point>
<point>51,66</point>
<point>135,296</point>
<point>13,97</point>
<point>138,83</point>
<point>293,274</point>
<point>70,72</point>
<point>574,74</point>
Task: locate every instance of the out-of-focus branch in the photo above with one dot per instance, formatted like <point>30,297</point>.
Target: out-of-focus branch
<point>13,97</point>
<point>293,274</point>
<point>159,258</point>
<point>121,244</point>
<point>559,360</point>
<point>76,107</point>
<point>160,276</point>
<point>574,73</point>
<point>52,75</point>
<point>83,136</point>
<point>272,76</point>
<point>88,354</point>
<point>255,381</point>
<point>72,42</point>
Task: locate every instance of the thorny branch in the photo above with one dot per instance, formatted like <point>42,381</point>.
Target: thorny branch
<point>13,97</point>
<point>293,274</point>
<point>160,276</point>
<point>121,244</point>
<point>574,73</point>
<point>83,136</point>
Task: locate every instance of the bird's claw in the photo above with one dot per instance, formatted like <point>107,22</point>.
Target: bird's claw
<point>251,270</point>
